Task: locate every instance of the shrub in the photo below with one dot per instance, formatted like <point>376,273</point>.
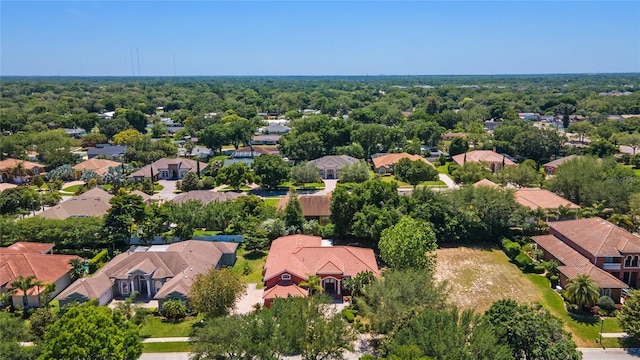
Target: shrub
<point>554,279</point>
<point>208,182</point>
<point>98,261</point>
<point>141,315</point>
<point>524,262</point>
<point>174,309</point>
<point>512,249</point>
<point>348,314</point>
<point>607,304</point>
<point>538,269</point>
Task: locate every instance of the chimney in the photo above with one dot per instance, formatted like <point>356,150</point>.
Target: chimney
<point>494,149</point>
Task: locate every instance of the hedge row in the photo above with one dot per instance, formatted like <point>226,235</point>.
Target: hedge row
<point>520,258</point>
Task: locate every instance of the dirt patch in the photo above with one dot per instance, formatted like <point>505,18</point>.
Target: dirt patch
<point>480,276</point>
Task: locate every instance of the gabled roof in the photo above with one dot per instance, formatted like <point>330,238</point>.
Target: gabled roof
<point>390,160</point>
<point>94,202</point>
<point>145,197</point>
<point>557,162</point>
<point>488,183</point>
<point>164,163</point>
<point>205,196</point>
<point>248,152</point>
<point>597,236</point>
<point>284,291</point>
<point>334,161</point>
<point>100,166</point>
<point>179,263</point>
<point>482,156</point>
<point>108,150</point>
<point>312,205</point>
<point>25,247</point>
<point>601,277</point>
<point>304,255</point>
<point>534,198</point>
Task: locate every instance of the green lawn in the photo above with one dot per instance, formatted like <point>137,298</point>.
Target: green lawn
<point>229,188</point>
<point>272,201</point>
<point>256,262</point>
<point>205,232</point>
<point>584,328</point>
<point>402,184</point>
<point>305,186</point>
<point>444,169</point>
<point>158,187</point>
<point>157,327</point>
<point>219,157</point>
<point>73,189</point>
<point>166,347</point>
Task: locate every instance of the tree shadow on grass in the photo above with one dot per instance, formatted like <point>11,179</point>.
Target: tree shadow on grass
<point>632,344</point>
<point>584,319</point>
<point>255,255</point>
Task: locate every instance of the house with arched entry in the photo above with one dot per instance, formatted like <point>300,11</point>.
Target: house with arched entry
<point>329,166</point>
<point>19,171</point>
<point>493,160</point>
<point>295,258</point>
<point>158,272</point>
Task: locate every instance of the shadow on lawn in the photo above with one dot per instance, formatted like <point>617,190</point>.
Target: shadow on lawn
<point>254,255</point>
<point>585,319</point>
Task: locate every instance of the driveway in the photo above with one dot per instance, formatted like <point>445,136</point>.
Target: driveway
<point>329,186</point>
<point>168,192</point>
<point>610,354</point>
<point>249,299</point>
<point>448,181</point>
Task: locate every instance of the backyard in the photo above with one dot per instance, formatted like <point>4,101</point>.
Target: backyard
<point>479,276</point>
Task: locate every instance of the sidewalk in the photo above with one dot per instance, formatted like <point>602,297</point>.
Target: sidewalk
<point>614,335</point>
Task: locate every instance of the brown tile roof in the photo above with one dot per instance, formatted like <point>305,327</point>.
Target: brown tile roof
<point>482,156</point>
<point>100,166</point>
<point>8,164</point>
<point>94,202</point>
<point>390,160</point>
<point>145,197</point>
<point>312,205</point>
<point>534,198</point>
<point>488,183</point>
<point>47,268</point>
<point>597,236</point>
<point>5,186</point>
<point>304,255</point>
<point>179,262</point>
<point>284,291</point>
<point>574,264</point>
<point>25,247</point>
<point>206,196</point>
<point>557,162</point>
<point>183,163</point>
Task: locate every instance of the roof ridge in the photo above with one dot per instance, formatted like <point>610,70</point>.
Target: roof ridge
<point>606,238</point>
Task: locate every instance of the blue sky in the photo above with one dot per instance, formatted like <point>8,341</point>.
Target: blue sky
<point>318,38</point>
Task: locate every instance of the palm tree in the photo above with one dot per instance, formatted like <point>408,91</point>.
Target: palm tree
<point>49,288</point>
<point>77,268</point>
<point>314,284</point>
<point>624,221</point>
<point>564,212</point>
<point>18,171</point>
<point>25,284</point>
<point>582,291</point>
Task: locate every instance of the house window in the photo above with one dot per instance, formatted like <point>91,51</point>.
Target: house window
<point>608,260</point>
<point>35,170</point>
<point>605,292</point>
<point>164,174</point>
<point>285,277</point>
<point>124,287</point>
<point>382,171</point>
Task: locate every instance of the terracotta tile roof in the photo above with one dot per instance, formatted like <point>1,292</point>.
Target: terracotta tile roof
<point>179,262</point>
<point>145,197</point>
<point>206,196</point>
<point>8,164</point>
<point>597,236</point>
<point>334,161</point>
<point>100,166</point>
<point>284,291</point>
<point>390,160</point>
<point>47,268</point>
<point>25,247</point>
<point>574,264</point>
<point>181,163</point>
<point>534,198</point>
<point>5,186</point>
<point>488,183</point>
<point>482,156</point>
<point>94,202</point>
<point>303,255</point>
<point>312,205</point>
<point>557,162</point>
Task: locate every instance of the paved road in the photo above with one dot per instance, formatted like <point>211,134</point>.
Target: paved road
<point>610,354</point>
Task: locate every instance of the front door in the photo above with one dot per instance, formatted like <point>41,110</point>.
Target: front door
<point>329,285</point>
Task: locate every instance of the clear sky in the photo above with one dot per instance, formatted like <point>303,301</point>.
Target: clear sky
<point>318,37</point>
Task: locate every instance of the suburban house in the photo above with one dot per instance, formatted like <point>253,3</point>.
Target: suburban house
<point>33,259</point>
<point>606,252</point>
<point>94,202</point>
<point>265,140</point>
<point>107,150</point>
<point>168,169</point>
<point>385,163</point>
<point>274,128</point>
<point>493,160</point>
<point>314,207</point>
<point>252,152</point>
<point>8,173</point>
<point>205,196</point>
<point>293,259</point>
<point>534,198</point>
<point>159,272</point>
<point>487,183</point>
<point>329,166</point>
<point>201,152</point>
<point>99,166</point>
<point>551,167</point>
